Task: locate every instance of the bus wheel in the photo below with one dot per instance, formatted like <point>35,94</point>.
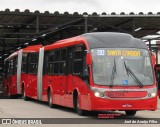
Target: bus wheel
<point>50,99</point>
<point>130,112</point>
<point>78,110</point>
<point>24,95</point>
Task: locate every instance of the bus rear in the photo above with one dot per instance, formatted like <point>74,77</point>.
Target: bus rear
<point>10,77</point>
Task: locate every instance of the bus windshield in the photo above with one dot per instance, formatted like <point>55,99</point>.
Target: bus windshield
<point>122,67</point>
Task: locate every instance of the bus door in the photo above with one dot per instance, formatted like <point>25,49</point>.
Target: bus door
<point>52,76</point>
<point>75,67</point>
<point>32,75</point>
<point>78,74</point>
<point>69,69</point>
<point>63,75</point>
<point>12,78</point>
<point>23,79</point>
<point>57,75</point>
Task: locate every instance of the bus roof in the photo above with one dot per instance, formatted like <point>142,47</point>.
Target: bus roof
<point>113,40</point>
<point>65,43</point>
<point>101,40</point>
<point>34,48</point>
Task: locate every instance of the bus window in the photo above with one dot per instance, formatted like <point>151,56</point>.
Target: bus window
<point>62,67</point>
<point>57,55</point>
<point>11,67</point>
<point>33,63</point>
<point>63,54</point>
<point>50,58</point>
<point>56,68</point>
<point>57,62</point>
<point>63,61</point>
<point>24,63</point>
<point>6,68</point>
<point>78,60</point>
<point>106,59</point>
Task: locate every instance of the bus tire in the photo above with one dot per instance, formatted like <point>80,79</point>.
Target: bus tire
<point>50,99</point>
<point>80,112</point>
<point>130,112</point>
<point>24,97</point>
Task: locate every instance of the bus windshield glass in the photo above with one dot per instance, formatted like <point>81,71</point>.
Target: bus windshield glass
<point>122,67</point>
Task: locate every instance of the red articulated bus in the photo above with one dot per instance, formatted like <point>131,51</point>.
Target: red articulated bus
<point>93,71</point>
<point>15,69</point>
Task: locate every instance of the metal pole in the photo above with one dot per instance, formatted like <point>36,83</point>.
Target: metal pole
<point>85,25</point>
<point>37,24</point>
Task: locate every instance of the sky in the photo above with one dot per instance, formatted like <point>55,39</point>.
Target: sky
<point>82,6</point>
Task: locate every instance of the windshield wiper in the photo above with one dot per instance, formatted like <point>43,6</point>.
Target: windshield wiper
<point>113,73</point>
<point>129,71</point>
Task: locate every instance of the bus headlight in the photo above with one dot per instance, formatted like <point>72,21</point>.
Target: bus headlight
<point>153,94</point>
<point>98,94</point>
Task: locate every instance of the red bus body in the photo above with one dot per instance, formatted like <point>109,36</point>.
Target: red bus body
<point>10,82</point>
<point>60,85</point>
<point>60,76</point>
<point>10,87</point>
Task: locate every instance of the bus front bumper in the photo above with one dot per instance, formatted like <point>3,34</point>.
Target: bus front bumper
<point>120,104</point>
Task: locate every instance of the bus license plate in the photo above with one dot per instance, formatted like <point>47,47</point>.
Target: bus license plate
<point>115,94</point>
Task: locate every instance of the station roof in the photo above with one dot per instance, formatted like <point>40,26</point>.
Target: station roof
<point>20,29</point>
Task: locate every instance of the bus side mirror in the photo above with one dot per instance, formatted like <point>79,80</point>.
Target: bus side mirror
<point>88,59</point>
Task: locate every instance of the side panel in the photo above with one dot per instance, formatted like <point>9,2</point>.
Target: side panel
<point>39,74</point>
<point>19,72</point>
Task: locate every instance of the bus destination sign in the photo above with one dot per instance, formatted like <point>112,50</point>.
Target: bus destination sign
<point>123,53</point>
